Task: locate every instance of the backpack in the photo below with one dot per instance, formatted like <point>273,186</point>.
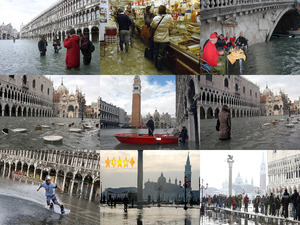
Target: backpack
<point>91,47</point>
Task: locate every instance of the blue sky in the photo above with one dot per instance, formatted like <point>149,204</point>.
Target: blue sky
<point>17,12</point>
<point>158,92</point>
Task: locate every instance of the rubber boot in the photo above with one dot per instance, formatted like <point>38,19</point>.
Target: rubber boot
<point>51,206</point>
<point>62,209</point>
<point>126,47</point>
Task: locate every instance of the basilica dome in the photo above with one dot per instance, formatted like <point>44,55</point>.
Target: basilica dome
<point>161,179</point>
<point>267,91</point>
<point>62,89</point>
<point>239,179</point>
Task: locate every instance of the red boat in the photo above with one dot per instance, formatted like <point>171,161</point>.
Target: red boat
<point>145,139</point>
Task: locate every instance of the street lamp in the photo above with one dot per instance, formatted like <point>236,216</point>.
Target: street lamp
<point>81,102</point>
<point>202,187</point>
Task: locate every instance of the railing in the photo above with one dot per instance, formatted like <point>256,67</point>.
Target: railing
<point>212,4</point>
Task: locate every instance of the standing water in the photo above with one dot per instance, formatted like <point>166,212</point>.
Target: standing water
<point>23,57</point>
<point>279,56</point>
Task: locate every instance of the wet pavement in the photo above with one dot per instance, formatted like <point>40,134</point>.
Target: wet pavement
<point>33,139</point>
<point>153,215</point>
<point>23,57</point>
<point>20,203</point>
<point>129,63</point>
<point>108,141</point>
<point>249,133</point>
<point>277,56</point>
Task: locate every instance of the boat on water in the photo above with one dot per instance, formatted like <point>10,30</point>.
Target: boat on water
<point>145,139</point>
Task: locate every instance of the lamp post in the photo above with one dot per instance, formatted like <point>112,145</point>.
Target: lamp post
<point>202,187</point>
<point>81,102</point>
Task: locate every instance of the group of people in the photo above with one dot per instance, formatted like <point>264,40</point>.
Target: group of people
<point>215,50</point>
<point>157,28</point>
<point>266,204</point>
<point>74,43</point>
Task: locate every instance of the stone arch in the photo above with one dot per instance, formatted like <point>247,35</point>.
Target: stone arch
<point>210,114</point>
<point>202,113</point>
<point>6,110</point>
<point>233,113</point>
<point>217,111</point>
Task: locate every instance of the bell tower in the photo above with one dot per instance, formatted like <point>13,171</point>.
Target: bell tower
<point>136,102</point>
<point>263,180</point>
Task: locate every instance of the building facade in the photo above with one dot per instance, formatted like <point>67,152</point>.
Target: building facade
<point>77,172</point>
<point>136,102</point>
<point>7,32</point>
<point>82,15</point>
<point>26,95</point>
<point>202,97</point>
<point>109,115</point>
<point>283,171</point>
<point>163,121</point>
<point>274,104</point>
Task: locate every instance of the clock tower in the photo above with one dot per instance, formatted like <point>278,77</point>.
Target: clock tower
<point>136,102</point>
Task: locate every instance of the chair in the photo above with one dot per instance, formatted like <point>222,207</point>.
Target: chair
<point>111,37</point>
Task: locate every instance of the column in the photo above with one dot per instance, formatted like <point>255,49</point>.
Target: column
<point>63,186</point>
<point>140,180</point>
<point>230,163</point>
<point>28,171</point>
<point>2,112</point>
<point>55,178</point>
<point>199,118</point>
<point>22,164</point>
<point>191,126</point>
<point>4,169</point>
<point>90,34</point>
<point>72,185</point>
<point>34,172</point>
<point>81,188</point>
<point>9,112</point>
<point>9,171</point>
<point>91,192</point>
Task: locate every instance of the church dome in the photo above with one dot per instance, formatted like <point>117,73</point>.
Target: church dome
<point>62,89</point>
<point>239,179</point>
<point>161,180</point>
<point>267,91</point>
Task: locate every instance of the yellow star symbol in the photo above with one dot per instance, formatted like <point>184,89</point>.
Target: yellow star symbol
<point>119,162</point>
<point>107,162</point>
<point>126,161</point>
<point>132,162</point>
<point>113,162</point>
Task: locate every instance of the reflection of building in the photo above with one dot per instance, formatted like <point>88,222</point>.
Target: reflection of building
<point>202,97</point>
<point>283,171</point>
<point>136,102</point>
<point>77,172</point>
<point>27,95</point>
<point>273,105</point>
<point>263,179</point>
<point>7,32</point>
<point>81,15</point>
<point>65,103</point>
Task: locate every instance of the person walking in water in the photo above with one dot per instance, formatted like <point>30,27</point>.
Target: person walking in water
<point>56,44</point>
<point>43,45</point>
<point>150,125</point>
<point>87,48</point>
<point>183,134</point>
<point>224,123</point>
<point>73,50</point>
<point>124,22</point>
<point>49,188</point>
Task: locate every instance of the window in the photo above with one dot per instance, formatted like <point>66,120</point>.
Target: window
<point>244,90</point>
<point>255,94</point>
<point>250,92</point>
<point>33,83</point>
<point>42,88</point>
<point>12,76</point>
<point>24,80</point>
<point>48,91</point>
<point>209,77</point>
<point>226,82</point>
<point>236,87</point>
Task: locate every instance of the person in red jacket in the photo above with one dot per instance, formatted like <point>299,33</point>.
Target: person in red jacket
<point>73,50</point>
<point>229,41</point>
<point>211,56</point>
<point>246,202</point>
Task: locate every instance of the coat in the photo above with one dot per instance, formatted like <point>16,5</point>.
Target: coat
<point>210,54</point>
<point>225,125</point>
<point>73,52</point>
<point>161,34</point>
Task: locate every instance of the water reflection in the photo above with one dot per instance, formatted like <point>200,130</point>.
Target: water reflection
<point>278,56</point>
<point>250,133</point>
<point>22,57</point>
<point>129,63</point>
<point>33,139</point>
<point>108,141</point>
<point>149,215</point>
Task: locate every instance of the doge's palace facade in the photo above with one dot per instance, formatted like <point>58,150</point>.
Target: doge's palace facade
<point>82,15</point>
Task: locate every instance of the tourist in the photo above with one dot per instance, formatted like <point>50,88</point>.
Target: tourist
<point>221,43</point>
<point>256,203</point>
<point>43,45</point>
<point>229,41</point>
<point>49,188</point>
<point>124,22</point>
<point>72,43</point>
<point>148,16</point>
<point>208,40</point>
<point>161,25</point>
<point>246,202</point>
<point>150,125</point>
<point>56,44</point>
<point>298,208</point>
<point>272,204</point>
<point>293,200</point>
<point>266,203</point>
<point>211,56</point>
<point>183,134</point>
<point>147,33</point>
<point>87,48</point>
<point>241,41</point>
<point>262,206</point>
<point>133,19</point>
<point>277,205</point>
<point>225,123</point>
<point>285,200</point>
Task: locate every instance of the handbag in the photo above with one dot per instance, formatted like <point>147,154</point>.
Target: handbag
<point>148,51</point>
<point>218,125</point>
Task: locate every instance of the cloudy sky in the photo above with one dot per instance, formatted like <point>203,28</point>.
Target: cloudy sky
<point>17,12</point>
<point>158,92</point>
<point>214,166</point>
<point>171,163</point>
<point>288,83</point>
<point>89,85</point>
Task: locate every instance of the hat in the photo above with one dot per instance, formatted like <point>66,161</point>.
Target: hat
<point>213,35</point>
